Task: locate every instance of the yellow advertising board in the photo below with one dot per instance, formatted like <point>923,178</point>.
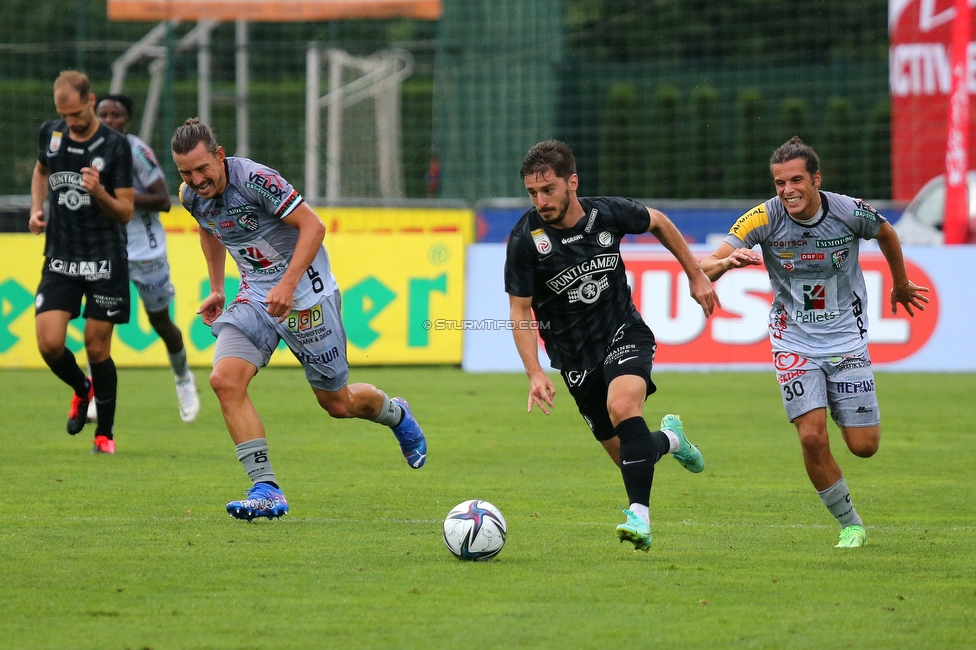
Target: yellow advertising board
<point>392,286</point>
<point>364,220</point>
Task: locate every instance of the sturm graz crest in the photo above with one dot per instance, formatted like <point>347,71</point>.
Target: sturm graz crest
<point>248,222</point>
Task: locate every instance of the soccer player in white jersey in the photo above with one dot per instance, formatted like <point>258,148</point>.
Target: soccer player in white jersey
<point>146,247</point>
<point>287,292</point>
<point>818,322</point>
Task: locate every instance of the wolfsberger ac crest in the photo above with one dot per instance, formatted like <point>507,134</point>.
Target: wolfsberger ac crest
<point>248,222</point>
<point>839,257</point>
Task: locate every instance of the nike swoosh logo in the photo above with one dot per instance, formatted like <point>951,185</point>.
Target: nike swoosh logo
<point>112,312</point>
<point>627,359</point>
<point>632,462</point>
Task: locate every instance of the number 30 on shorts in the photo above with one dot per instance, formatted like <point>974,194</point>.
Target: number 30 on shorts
<point>793,389</point>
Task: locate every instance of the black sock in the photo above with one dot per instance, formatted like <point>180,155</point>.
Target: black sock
<point>640,449</point>
<point>106,382</point>
<point>66,369</point>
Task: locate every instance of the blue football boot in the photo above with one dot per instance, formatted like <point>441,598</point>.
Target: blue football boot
<point>263,500</point>
<point>408,433</point>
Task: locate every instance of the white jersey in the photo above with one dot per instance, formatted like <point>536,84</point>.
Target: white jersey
<point>247,219</point>
<point>147,239</point>
<point>819,296</point>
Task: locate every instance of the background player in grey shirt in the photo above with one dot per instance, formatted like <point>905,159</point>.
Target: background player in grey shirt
<point>818,320</point>
<point>287,292</point>
<point>146,248</point>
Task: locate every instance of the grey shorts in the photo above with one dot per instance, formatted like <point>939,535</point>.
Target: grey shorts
<point>315,336</point>
<point>151,278</point>
<point>845,384</point>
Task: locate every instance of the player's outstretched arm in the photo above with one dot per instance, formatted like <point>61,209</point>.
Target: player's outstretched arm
<point>903,291</point>
<point>700,285</point>
<point>541,389</point>
<point>215,254</point>
<point>726,258</point>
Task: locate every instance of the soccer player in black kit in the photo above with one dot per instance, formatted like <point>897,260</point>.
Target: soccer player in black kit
<point>563,263</point>
<point>85,169</point>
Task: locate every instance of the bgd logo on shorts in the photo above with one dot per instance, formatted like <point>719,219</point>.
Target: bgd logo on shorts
<point>306,319</point>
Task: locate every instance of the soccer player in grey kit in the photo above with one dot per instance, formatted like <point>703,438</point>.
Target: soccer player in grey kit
<point>818,320</point>
<point>287,292</point>
<point>146,248</point>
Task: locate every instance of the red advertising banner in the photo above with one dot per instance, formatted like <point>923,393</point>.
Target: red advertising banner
<point>956,224</point>
<point>920,81</point>
<point>738,333</point>
<point>271,11</point>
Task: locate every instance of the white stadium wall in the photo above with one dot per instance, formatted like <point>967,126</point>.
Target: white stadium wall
<point>937,340</point>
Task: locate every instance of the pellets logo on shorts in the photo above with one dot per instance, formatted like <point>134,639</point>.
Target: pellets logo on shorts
<point>306,319</point>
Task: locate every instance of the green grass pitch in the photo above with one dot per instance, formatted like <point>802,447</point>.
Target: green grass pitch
<point>135,550</point>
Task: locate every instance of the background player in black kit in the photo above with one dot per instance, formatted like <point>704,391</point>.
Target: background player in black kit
<point>85,169</point>
<point>563,263</point>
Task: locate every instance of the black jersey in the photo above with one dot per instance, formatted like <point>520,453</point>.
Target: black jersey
<point>576,278</point>
<point>77,229</point>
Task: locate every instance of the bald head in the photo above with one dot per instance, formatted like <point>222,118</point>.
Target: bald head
<point>70,82</point>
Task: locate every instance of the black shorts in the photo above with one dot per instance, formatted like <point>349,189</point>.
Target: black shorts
<point>630,353</point>
<point>104,285</point>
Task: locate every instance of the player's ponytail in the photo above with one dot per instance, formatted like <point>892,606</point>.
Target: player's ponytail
<point>192,133</point>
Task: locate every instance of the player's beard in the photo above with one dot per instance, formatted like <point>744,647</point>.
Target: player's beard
<point>82,129</point>
<point>557,215</point>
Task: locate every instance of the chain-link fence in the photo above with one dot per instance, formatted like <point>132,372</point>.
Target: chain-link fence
<point>659,99</point>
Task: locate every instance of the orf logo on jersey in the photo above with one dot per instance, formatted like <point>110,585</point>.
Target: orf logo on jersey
<point>814,297</point>
<point>248,222</point>
<point>542,243</point>
<point>55,142</point>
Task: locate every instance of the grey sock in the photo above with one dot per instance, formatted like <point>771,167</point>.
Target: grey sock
<point>837,498</point>
<point>390,412</point>
<point>253,455</point>
<point>177,362</point>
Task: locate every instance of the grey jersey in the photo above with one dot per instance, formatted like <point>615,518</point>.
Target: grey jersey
<point>819,297</point>
<point>147,240</point>
<point>247,219</point>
